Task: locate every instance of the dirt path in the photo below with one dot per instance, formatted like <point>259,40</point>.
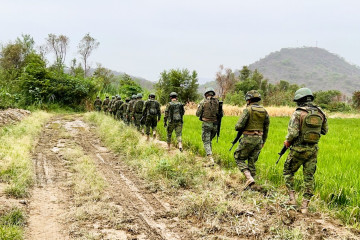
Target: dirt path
<point>129,210</point>
<point>141,215</point>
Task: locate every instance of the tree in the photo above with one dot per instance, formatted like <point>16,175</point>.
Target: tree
<point>356,99</point>
<point>75,69</point>
<point>225,81</point>
<point>244,73</point>
<point>179,81</point>
<point>86,46</point>
<point>105,75</point>
<point>58,45</point>
<point>128,86</point>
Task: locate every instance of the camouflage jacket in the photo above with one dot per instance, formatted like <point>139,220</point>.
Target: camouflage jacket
<point>244,118</point>
<point>295,125</point>
<point>106,103</point>
<point>167,111</point>
<point>97,102</point>
<point>147,108</point>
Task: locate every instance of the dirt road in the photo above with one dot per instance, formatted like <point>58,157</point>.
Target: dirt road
<point>128,209</point>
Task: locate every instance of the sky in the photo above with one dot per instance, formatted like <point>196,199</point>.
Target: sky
<point>146,37</point>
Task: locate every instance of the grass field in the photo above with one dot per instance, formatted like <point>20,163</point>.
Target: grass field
<point>337,176</point>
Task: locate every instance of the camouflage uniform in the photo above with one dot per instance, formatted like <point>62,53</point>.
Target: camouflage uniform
<point>252,141</point>
<point>112,106</point>
<point>97,104</point>
<point>105,105</point>
<point>152,114</point>
<point>302,153</point>
<point>123,109</point>
<point>208,111</point>
<point>130,109</point>
<point>174,125</point>
<point>137,113</point>
<point>118,112</point>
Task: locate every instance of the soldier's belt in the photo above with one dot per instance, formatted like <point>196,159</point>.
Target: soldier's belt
<point>253,133</point>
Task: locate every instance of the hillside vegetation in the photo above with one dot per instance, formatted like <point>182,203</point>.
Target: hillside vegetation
<point>314,67</point>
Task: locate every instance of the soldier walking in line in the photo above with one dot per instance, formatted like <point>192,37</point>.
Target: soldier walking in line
<point>208,112</point>
<point>123,109</point>
<point>152,115</point>
<point>254,125</point>
<point>306,125</point>
<point>118,112</point>
<point>110,106</point>
<point>138,112</point>
<point>105,104</point>
<point>174,113</point>
<point>130,108</point>
<point>97,104</point>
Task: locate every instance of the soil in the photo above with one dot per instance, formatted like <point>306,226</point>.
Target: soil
<point>137,212</point>
<point>10,116</point>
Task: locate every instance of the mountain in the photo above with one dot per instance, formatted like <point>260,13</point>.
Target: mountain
<point>144,83</point>
<point>313,67</point>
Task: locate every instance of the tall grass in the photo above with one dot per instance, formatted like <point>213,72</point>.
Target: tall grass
<point>17,141</point>
<point>337,176</point>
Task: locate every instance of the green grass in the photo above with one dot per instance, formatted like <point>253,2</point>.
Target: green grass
<point>17,141</point>
<point>337,176</point>
<point>11,224</point>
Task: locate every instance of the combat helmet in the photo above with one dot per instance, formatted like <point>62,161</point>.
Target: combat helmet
<point>133,96</point>
<point>127,99</point>
<point>113,97</point>
<point>139,95</point>
<point>210,90</point>
<point>303,95</point>
<point>173,95</point>
<point>107,96</point>
<point>118,97</point>
<point>253,95</point>
<point>152,95</point>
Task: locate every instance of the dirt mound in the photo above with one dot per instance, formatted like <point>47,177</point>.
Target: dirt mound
<point>10,115</point>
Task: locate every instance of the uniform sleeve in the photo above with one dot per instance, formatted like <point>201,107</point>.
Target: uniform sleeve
<point>294,127</point>
<point>200,109</point>
<point>324,127</point>
<point>166,113</point>
<point>266,127</point>
<point>145,108</point>
<point>241,124</point>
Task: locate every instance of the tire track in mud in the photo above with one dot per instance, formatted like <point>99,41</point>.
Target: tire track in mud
<point>46,205</point>
<point>129,191</point>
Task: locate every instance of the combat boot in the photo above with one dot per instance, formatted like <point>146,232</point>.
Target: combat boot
<point>249,180</point>
<point>168,147</point>
<point>154,135</point>
<point>304,206</point>
<point>292,201</point>
<point>180,146</point>
<point>147,138</point>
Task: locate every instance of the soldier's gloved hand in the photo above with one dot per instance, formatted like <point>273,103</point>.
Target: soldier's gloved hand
<point>287,144</point>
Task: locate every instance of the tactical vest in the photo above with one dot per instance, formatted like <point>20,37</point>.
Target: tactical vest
<point>152,110</point>
<point>257,118</point>
<point>176,110</point>
<point>139,105</point>
<point>311,120</point>
<point>210,109</point>
<point>106,102</point>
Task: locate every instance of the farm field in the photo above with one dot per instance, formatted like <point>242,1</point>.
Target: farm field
<point>337,176</point>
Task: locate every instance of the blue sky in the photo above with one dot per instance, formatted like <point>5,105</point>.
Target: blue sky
<point>144,38</point>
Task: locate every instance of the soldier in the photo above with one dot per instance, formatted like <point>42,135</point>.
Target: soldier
<point>138,112</point>
<point>110,106</point>
<point>118,111</point>
<point>105,104</point>
<point>174,112</point>
<point>97,104</point>
<point>208,112</point>
<point>152,115</point>
<point>123,109</point>
<point>254,125</point>
<point>130,108</point>
<point>306,125</point>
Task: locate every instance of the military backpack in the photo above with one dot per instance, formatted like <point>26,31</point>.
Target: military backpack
<point>153,108</point>
<point>311,121</point>
<point>176,111</point>
<point>139,105</point>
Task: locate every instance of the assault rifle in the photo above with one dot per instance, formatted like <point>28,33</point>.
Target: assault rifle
<point>282,152</point>
<point>219,117</point>
<point>236,139</point>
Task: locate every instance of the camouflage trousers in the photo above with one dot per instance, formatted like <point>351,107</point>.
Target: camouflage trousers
<point>209,130</point>
<point>248,150</point>
<point>105,110</point>
<point>151,122</point>
<point>137,121</point>
<point>305,156</point>
<point>119,115</point>
<point>174,126</point>
<point>98,108</point>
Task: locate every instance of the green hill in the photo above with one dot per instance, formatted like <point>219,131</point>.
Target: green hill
<point>313,67</point>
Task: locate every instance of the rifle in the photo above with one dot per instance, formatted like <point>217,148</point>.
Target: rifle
<point>219,117</point>
<point>236,139</point>
<point>282,152</point>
